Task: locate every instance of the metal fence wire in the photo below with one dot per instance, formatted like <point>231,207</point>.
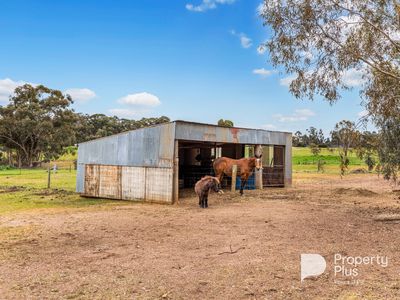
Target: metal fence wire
<point>189,175</point>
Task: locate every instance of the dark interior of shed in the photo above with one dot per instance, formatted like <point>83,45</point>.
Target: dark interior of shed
<point>196,160</point>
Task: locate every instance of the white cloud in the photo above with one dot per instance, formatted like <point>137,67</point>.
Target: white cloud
<point>136,105</point>
<point>263,72</point>
<point>140,99</point>
<point>245,41</point>
<point>7,87</point>
<point>298,115</point>
<point>127,113</point>
<point>353,77</point>
<point>269,126</point>
<point>207,5</point>
<point>81,95</point>
<point>286,81</point>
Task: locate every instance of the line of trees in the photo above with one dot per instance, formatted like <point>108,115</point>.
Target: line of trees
<point>39,123</point>
<point>347,139</point>
<point>316,137</point>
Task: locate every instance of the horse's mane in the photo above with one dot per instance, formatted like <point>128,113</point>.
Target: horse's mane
<point>207,177</point>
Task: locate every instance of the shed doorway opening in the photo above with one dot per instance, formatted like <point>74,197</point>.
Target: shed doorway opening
<point>196,160</point>
<point>273,166</point>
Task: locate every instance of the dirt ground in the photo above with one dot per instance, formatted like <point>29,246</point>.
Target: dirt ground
<point>239,248</point>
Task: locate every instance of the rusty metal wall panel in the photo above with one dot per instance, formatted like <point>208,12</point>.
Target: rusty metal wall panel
<point>210,133</point>
<point>133,183</point>
<point>110,182</point>
<point>92,180</point>
<point>166,147</point>
<point>159,184</point>
<point>146,147</point>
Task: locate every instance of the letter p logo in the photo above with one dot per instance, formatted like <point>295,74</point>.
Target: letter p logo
<point>312,265</point>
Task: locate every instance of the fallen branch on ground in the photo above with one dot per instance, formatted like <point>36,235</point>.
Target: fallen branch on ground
<point>383,218</point>
<point>231,252</point>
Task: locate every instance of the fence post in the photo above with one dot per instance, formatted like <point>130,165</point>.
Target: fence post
<point>259,179</point>
<point>234,174</point>
<point>48,177</point>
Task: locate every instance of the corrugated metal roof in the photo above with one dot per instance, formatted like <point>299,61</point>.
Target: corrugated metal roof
<point>183,122</point>
<point>214,125</point>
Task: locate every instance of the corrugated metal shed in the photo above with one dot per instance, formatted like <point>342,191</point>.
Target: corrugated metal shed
<point>141,164</point>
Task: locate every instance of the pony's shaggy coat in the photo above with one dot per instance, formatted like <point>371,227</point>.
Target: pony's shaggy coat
<point>203,187</point>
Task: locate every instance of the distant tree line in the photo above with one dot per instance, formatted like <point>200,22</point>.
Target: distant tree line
<point>38,124</point>
<point>314,136</point>
<point>347,138</point>
<point>95,126</point>
<point>311,136</point>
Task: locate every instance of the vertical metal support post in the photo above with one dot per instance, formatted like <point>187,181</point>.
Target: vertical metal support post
<point>259,179</point>
<point>234,174</point>
<point>176,173</point>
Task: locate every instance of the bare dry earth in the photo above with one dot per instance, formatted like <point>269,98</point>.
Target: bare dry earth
<point>240,248</point>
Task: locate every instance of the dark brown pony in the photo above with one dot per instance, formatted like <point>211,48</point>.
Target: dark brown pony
<point>245,167</point>
<point>203,187</point>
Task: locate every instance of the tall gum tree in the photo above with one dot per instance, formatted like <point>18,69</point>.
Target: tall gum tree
<point>323,43</point>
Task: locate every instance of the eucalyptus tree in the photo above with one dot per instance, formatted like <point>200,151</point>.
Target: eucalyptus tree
<point>37,123</point>
<point>333,45</point>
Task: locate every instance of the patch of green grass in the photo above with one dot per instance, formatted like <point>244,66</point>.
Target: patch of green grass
<point>303,156</point>
<point>26,189</point>
<point>37,178</point>
<point>304,161</point>
<point>14,200</point>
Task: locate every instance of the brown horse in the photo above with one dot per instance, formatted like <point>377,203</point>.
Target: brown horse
<point>203,187</point>
<point>245,167</point>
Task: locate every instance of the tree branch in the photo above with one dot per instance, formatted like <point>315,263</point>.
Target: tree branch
<point>369,23</point>
<point>358,56</point>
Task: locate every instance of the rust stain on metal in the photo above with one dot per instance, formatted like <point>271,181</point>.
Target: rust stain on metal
<point>110,182</point>
<point>92,180</point>
<point>234,132</point>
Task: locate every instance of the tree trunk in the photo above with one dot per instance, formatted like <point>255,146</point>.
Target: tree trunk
<point>19,160</point>
<point>9,154</point>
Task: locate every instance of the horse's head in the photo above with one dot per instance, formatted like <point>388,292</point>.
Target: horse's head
<point>258,152</point>
<point>257,163</point>
<point>216,185</point>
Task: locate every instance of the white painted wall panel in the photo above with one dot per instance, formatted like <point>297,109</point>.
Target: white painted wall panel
<point>133,183</point>
<point>159,184</point>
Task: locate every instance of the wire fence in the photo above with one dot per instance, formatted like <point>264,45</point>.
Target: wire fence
<point>55,178</point>
<point>189,175</point>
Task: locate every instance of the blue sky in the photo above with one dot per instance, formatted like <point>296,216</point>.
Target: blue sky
<point>195,60</point>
